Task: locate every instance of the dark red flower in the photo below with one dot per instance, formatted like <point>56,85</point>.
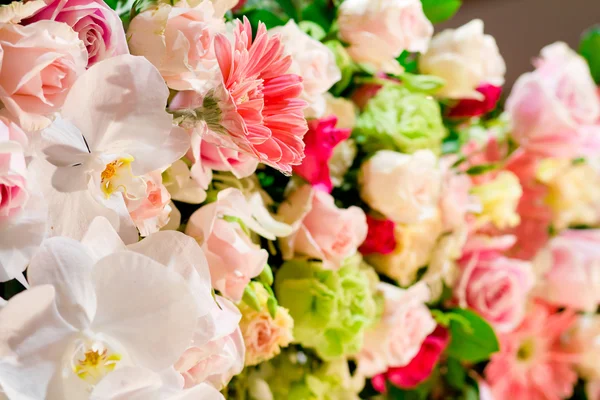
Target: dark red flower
<point>380,237</point>
<point>474,108</point>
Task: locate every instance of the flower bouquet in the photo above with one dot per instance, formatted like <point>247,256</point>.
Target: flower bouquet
<point>305,200</point>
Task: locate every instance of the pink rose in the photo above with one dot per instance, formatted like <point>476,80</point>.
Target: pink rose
<point>551,106</point>
<point>378,31</point>
<point>398,336</point>
<point>321,229</point>
<point>150,213</point>
<point>455,200</point>
<point>217,360</point>
<point>179,41</point>
<point>420,367</point>
<point>13,171</point>
<point>380,236</point>
<point>322,137</point>
<point>38,65</point>
<point>569,270</point>
<point>496,287</point>
<point>466,108</point>
<point>98,26</point>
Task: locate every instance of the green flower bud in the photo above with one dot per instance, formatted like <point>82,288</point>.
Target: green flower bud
<point>401,120</point>
<point>331,309</point>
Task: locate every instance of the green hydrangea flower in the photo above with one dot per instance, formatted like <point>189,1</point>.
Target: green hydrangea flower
<point>293,375</point>
<point>331,309</point>
<point>401,120</point>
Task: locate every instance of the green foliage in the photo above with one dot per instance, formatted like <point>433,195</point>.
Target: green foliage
<point>428,84</point>
<point>266,17</point>
<point>409,61</point>
<point>589,48</point>
<point>473,340</point>
<point>481,169</point>
<point>440,10</point>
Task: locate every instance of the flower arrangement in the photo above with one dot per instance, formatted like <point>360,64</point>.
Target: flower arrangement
<point>307,200</point>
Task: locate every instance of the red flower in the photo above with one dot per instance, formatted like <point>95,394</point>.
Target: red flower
<point>380,238</point>
<point>321,139</point>
<point>474,108</point>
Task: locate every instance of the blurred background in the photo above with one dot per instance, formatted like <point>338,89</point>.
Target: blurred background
<point>523,27</point>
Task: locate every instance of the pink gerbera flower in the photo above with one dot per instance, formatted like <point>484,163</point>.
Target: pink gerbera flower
<point>261,109</point>
<point>533,363</point>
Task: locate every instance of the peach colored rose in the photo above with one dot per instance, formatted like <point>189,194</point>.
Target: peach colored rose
<point>150,213</point>
<point>405,188</point>
<point>551,106</point>
<point>179,41</point>
<point>98,26</point>
<point>38,65</point>
<point>314,62</point>
<point>465,58</point>
<point>321,229</point>
<point>397,338</point>
<point>13,170</point>
<point>378,31</point>
<point>569,270</point>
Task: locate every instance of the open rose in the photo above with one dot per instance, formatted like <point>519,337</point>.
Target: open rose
<point>321,229</point>
<point>13,171</point>
<point>38,65</point>
<point>98,26</point>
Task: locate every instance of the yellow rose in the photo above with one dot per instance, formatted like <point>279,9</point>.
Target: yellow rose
<point>499,199</point>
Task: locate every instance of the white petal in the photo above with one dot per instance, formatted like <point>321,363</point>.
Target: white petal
<point>126,113</point>
<point>65,264</point>
<point>33,337</point>
<point>101,239</point>
<point>145,306</point>
<point>182,254</point>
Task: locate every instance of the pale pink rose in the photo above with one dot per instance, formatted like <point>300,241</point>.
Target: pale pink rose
<point>179,41</point>
<point>496,287</point>
<point>13,170</point>
<point>397,338</point>
<point>569,270</point>
<point>38,65</point>
<point>551,107</point>
<point>150,213</point>
<point>222,357</point>
<point>533,362</point>
<point>455,200</point>
<point>207,155</point>
<point>314,62</point>
<point>16,11</point>
<point>465,58</point>
<point>321,229</point>
<point>584,340</point>
<point>403,187</point>
<point>98,26</point>
<point>378,31</point>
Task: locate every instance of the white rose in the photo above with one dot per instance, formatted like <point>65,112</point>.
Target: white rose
<point>465,58</point>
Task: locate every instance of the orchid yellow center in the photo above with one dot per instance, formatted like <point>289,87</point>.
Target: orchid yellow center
<point>95,365</point>
<point>118,177</point>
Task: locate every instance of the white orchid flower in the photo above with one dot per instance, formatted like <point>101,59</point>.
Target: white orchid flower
<point>113,130</point>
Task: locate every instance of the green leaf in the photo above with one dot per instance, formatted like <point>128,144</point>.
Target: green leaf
<point>267,17</point>
<point>272,306</point>
<point>312,29</point>
<point>410,61</point>
<point>440,10</point>
<point>481,169</point>
<point>422,83</point>
<point>288,7</point>
<point>319,13</point>
<point>470,393</point>
<point>589,48</point>
<point>474,344</point>
<point>456,375</point>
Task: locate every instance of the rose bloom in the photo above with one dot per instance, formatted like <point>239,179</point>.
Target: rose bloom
<point>584,339</point>
<point>179,41</point>
<point>98,26</point>
<point>16,11</point>
<point>467,108</point>
<point>455,200</point>
<point>152,212</point>
<point>314,62</point>
<point>398,336</point>
<point>569,270</point>
<point>378,31</point>
<point>380,236</point>
<point>342,108</point>
<point>320,229</point>
<point>414,247</point>
<point>533,362</point>
<point>499,198</point>
<point>465,58</point>
<point>13,170</point>
<point>405,188</point>
<point>496,287</point>
<point>573,191</point>
<point>38,65</point>
<point>550,106</point>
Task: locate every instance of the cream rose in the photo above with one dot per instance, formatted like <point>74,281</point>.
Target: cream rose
<point>405,188</point>
<point>314,62</point>
<point>464,58</point>
<point>38,65</point>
